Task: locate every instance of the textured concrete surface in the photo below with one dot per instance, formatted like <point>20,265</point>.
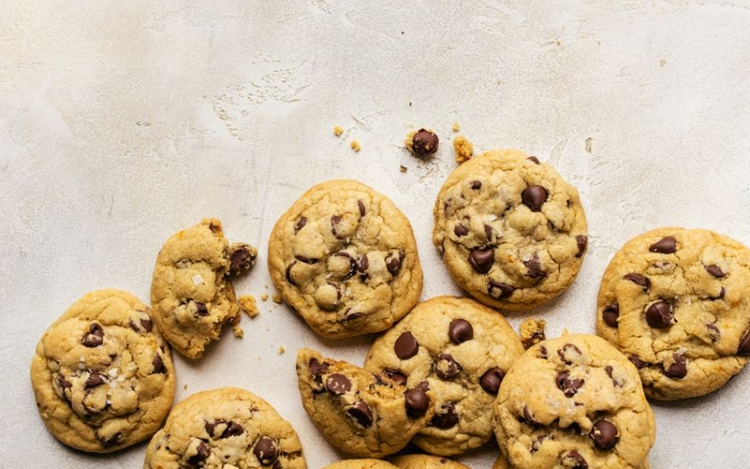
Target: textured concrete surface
<point>122,122</point>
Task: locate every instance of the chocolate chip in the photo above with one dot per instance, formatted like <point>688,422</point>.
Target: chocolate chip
<point>500,291</point>
<point>201,309</point>
<point>335,220</point>
<point>95,336</point>
<point>277,465</point>
<point>147,325</point>
<point>95,379</point>
<point>363,265</point>
<point>639,280</point>
<point>393,263</point>
<point>534,197</point>
<point>566,350</point>
<point>460,230</point>
<point>535,270</point>
<point>362,210</point>
<point>307,260</point>
<point>660,315</point>
<point>581,241</point>
<point>424,143</point>
<point>528,417</point>
<point>715,270</point>
<point>241,259</point>
<point>351,316</point>
<point>491,379</point>
<point>488,232</point>
<point>233,429</point>
<point>395,375</point>
<point>289,273</point>
<point>721,295</point>
<point>447,418</point>
<point>211,426</point>
<point>534,159</point>
<point>360,412</point>
<point>460,331</point>
<point>713,331</point>
<point>476,185</point>
<point>109,440</point>
<point>543,352</point>
<point>266,450</point>
<point>574,460</point>
<point>568,386</point>
<point>64,383</point>
<point>215,226</point>
<point>604,435</point>
<point>338,384</point>
<point>202,453</point>
<point>158,364</point>
<point>447,367</point>
<point>317,368</point>
<point>744,348</point>
<point>406,346</point>
<point>666,245</point>
<point>678,369</point>
<point>610,315</point>
<point>416,402</point>
<point>481,259</point>
<point>635,360</point>
<point>301,222</point>
<point>352,263</point>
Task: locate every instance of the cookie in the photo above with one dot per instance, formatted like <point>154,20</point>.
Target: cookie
<point>102,374</point>
<point>511,230</point>
<point>462,349</point>
<point>677,302</point>
<point>502,463</point>
<point>361,464</point>
<point>191,294</point>
<point>344,257</point>
<point>425,461</point>
<point>359,412</point>
<point>573,402</point>
<point>226,428</point>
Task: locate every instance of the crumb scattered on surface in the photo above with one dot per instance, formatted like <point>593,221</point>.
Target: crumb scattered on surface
<point>248,305</point>
<point>456,126</point>
<point>238,332</point>
<point>662,62</point>
<point>463,148</point>
<point>422,143</point>
<point>337,130</point>
<point>355,146</point>
<point>402,168</point>
<point>277,299</point>
<point>281,350</point>
<point>589,142</point>
<point>184,387</point>
<point>532,332</point>
<point>264,297</point>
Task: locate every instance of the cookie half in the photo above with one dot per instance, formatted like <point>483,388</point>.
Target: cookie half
<point>102,374</point>
<point>359,412</point>
<point>677,302</point>
<point>462,349</point>
<point>511,230</point>
<point>344,257</point>
<point>573,402</point>
<point>225,428</point>
<point>191,293</point>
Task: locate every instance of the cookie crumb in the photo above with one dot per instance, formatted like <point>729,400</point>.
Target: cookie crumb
<point>238,332</point>
<point>662,62</point>
<point>184,387</point>
<point>422,143</point>
<point>402,168</point>
<point>264,297</point>
<point>281,350</point>
<point>456,126</point>
<point>463,148</point>
<point>532,332</point>
<point>355,146</point>
<point>277,299</point>
<point>589,142</point>
<point>337,130</point>
<point>248,305</point>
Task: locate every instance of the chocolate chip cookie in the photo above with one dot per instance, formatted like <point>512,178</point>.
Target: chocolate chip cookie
<point>502,463</point>
<point>677,302</point>
<point>462,349</point>
<point>573,402</point>
<point>344,257</point>
<point>425,461</point>
<point>226,428</point>
<point>102,374</point>
<point>359,412</point>
<point>191,294</point>
<point>511,230</point>
<point>361,464</point>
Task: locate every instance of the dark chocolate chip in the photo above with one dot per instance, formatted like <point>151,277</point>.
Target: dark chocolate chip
<point>233,429</point>
<point>574,460</point>
<point>109,440</point>
<point>721,295</point>
<point>393,262</point>
<point>266,450</point>
<point>201,309</point>
<point>406,346</point>
<point>581,241</point>
<point>460,330</point>
<point>416,402</point>
<point>635,360</point>
<point>568,386</point>
<point>660,315</point>
<point>447,367</point>
<point>528,417</point>
<point>301,222</point>
<point>534,197</point>
<point>203,452</point>
<point>715,270</point>
<point>476,185</point>
<point>424,143</point>
<point>241,260</point>
<point>666,245</point>
<point>289,273</point>
<point>566,349</point>
<point>335,220</point>
<point>678,369</point>
<point>95,379</point>
<point>604,435</point>
<point>211,426</point>
<point>535,270</point>
<point>363,265</point>
<point>610,315</point>
<point>351,316</point>
<point>352,263</point>
<point>338,384</point>
<point>395,375</point>
<point>360,412</point>
<point>713,331</point>
<point>215,226</point>
<point>362,210</point>
<point>64,383</point>
<point>147,325</point>
<point>491,379</point>
<point>543,352</point>
<point>744,348</point>
<point>446,418</point>
<point>317,368</point>
<point>534,159</point>
<point>488,232</point>
<point>481,259</point>
<point>158,364</point>
<point>460,230</point>
<point>306,260</point>
<point>639,280</point>
<point>95,336</point>
<point>500,291</point>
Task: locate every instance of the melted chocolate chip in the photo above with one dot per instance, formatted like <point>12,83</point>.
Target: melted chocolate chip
<point>406,346</point>
<point>568,349</point>
<point>362,266</point>
<point>202,453</point>
<point>424,143</point>
<point>301,222</point>
<point>581,241</point>
<point>143,325</point>
<point>352,264</point>
<point>447,367</point>
<point>306,260</point>
<point>666,245</point>
<point>721,295</point>
<point>64,383</point>
<point>201,309</point>
<point>460,230</point>
<point>660,315</point>
<point>362,210</point>
<point>639,280</point>
<point>604,435</point>
<point>528,417</point>
<point>351,316</point>
<point>635,360</point>
<point>95,336</point>
<point>533,159</point>
<point>488,232</point>
<point>395,375</point>
<point>335,220</point>
<point>744,348</point>
<point>447,418</point>
<point>393,263</point>
<point>338,384</point>
<point>610,315</point>
<point>678,369</point>
<point>715,270</point>
<point>534,197</point>
<point>500,291</point>
<point>491,380</point>
<point>360,412</point>
<point>266,450</point>
<point>568,386</point>
<point>535,270</point>
<point>109,440</point>
<point>481,259</point>
<point>574,460</point>
<point>460,330</point>
<point>241,260</point>
<point>95,379</point>
<point>476,185</point>
<point>211,426</point>
<point>416,402</point>
<point>158,364</point>
<point>713,331</point>
<point>317,368</point>
<point>289,273</point>
<point>233,429</point>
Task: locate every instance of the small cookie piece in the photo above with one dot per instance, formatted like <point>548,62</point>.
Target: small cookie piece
<point>462,349</point>
<point>360,412</point>
<point>532,332</point>
<point>191,294</point>
<point>361,464</point>
<point>248,305</point>
<point>676,301</point>
<point>511,230</point>
<point>225,428</point>
<point>425,461</point>
<point>463,149</point>
<point>344,257</point>
<point>573,402</point>
<point>102,374</point>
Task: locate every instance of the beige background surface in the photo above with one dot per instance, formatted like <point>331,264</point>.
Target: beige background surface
<point>122,122</point>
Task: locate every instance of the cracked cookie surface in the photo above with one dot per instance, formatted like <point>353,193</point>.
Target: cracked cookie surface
<point>425,461</point>
<point>344,257</point>
<point>225,428</point>
<point>676,302</point>
<point>360,412</point>
<point>462,349</point>
<point>361,464</point>
<point>511,230</point>
<point>573,402</point>
<point>102,374</point>
<point>191,294</point>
